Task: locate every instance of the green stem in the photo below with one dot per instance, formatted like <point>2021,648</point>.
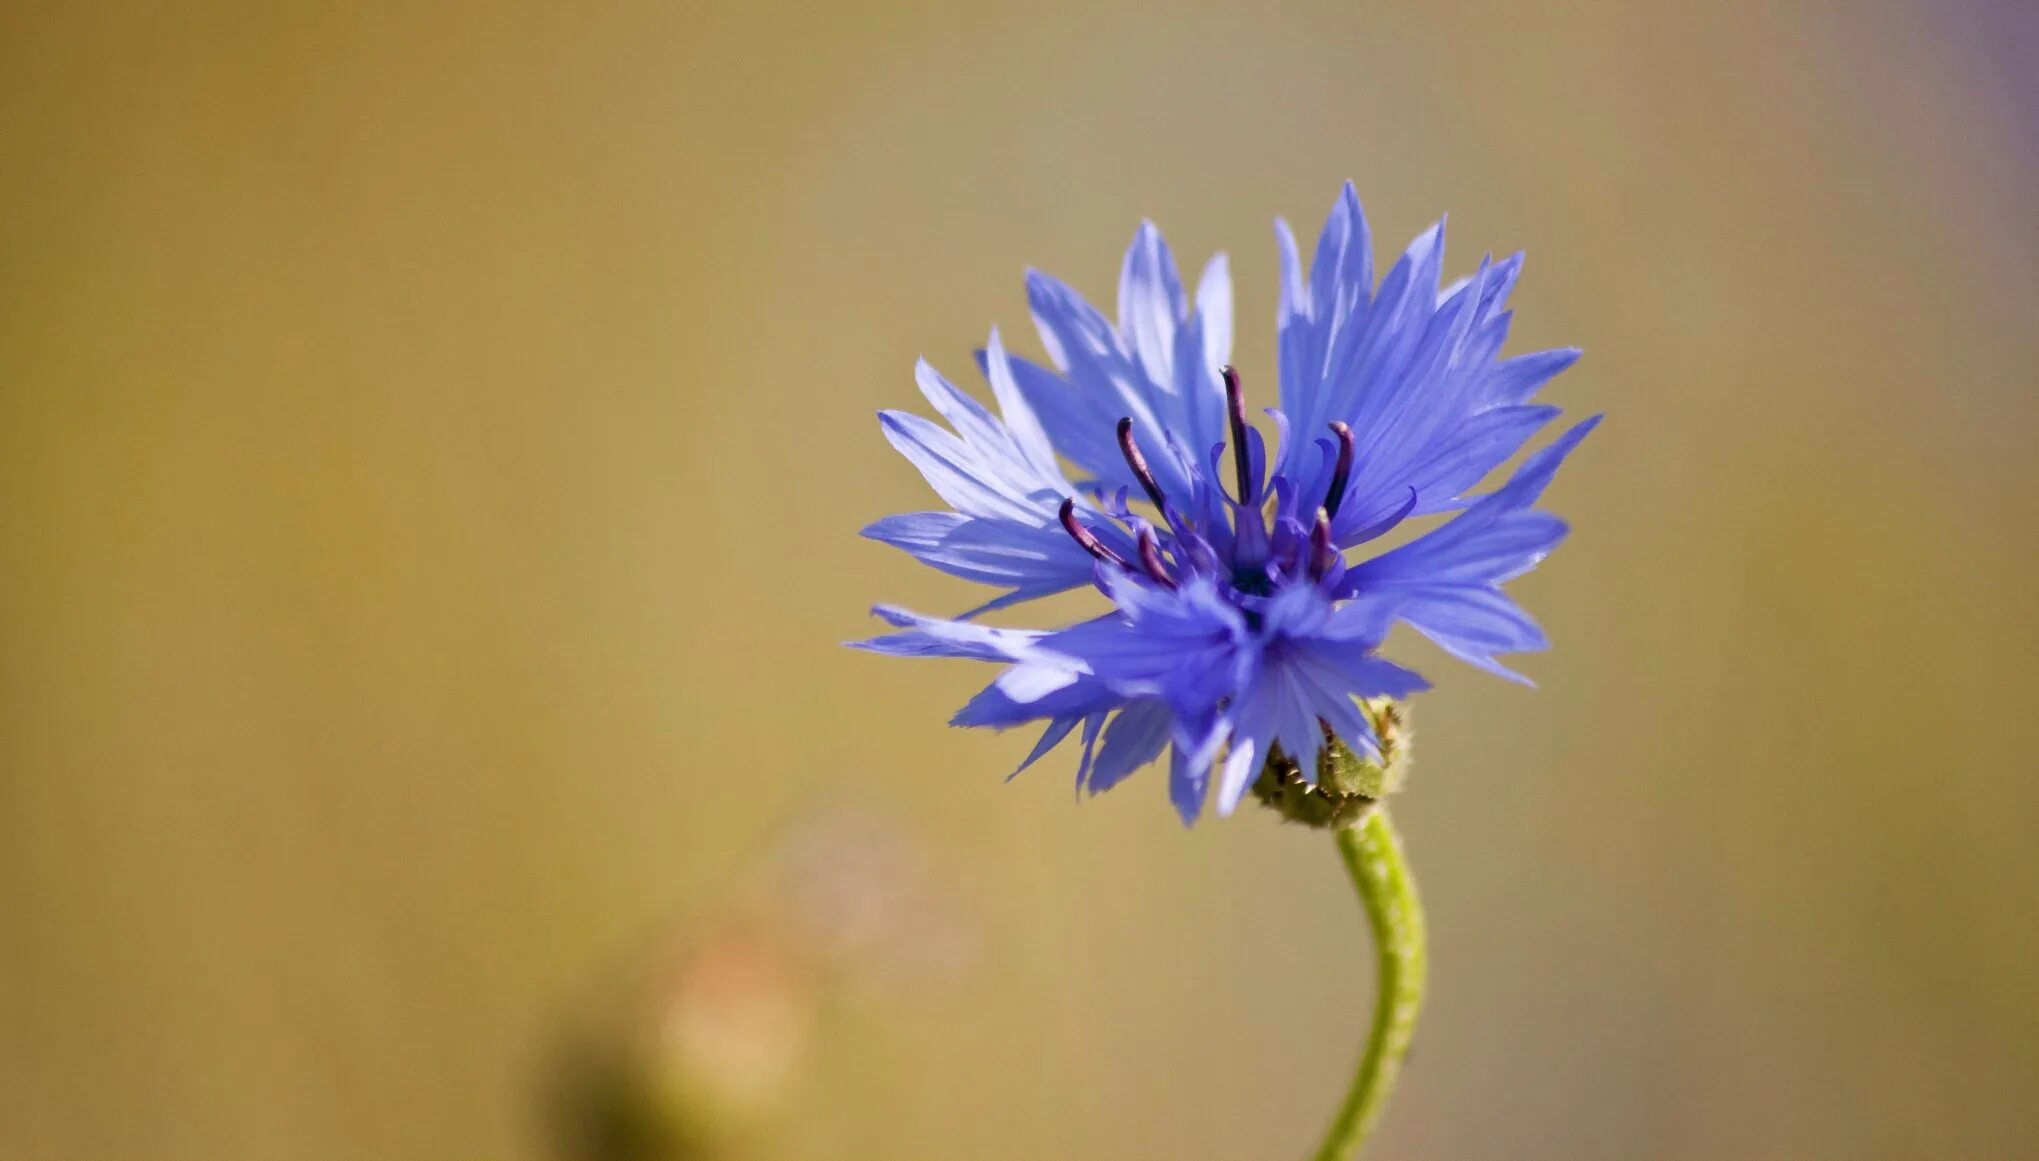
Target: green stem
<point>1373,857</point>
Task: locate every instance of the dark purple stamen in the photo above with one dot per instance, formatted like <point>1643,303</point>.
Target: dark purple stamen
<point>1086,540</point>
<point>1235,406</point>
<point>1322,554</point>
<point>1150,558</point>
<point>1341,475</point>
<point>1138,463</point>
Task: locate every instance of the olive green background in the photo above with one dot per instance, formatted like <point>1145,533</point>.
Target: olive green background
<point>432,441</point>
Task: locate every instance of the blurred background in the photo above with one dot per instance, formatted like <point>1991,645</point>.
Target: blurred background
<point>432,441</point>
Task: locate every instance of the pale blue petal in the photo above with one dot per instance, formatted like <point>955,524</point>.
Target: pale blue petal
<point>1021,421</point>
<point>1081,424</point>
<point>935,637</point>
<point>1214,311</point>
<point>1151,303</point>
<point>1242,765</point>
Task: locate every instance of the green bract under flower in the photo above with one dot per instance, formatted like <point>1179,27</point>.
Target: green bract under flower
<point>1344,785</point>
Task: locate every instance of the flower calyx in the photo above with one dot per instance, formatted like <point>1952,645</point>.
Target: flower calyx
<point>1348,783</point>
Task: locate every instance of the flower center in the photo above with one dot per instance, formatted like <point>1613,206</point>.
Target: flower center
<point>1254,569</point>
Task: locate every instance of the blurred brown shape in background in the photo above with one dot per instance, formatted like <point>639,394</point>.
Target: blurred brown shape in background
<point>698,1049</point>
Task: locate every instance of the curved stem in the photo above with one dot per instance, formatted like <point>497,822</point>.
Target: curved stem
<point>1373,857</point>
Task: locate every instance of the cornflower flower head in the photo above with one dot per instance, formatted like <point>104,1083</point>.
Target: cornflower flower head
<point>1245,615</point>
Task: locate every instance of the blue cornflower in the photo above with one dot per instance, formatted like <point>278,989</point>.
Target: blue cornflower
<point>1239,626</point>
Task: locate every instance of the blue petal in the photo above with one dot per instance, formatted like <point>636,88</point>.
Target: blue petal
<point>1203,344</point>
<point>1478,446</point>
<point>1410,368</point>
<point>1000,475</point>
<point>1495,539</point>
<point>968,417</point>
<point>1151,302</point>
<point>1021,420</point>
<point>1155,367</point>
<point>1134,738</point>
<point>1337,354</point>
<point>1360,673</point>
<point>1297,360</point>
<point>993,708</point>
<point>1445,582</point>
<point>1088,349</point>
<point>1280,703</point>
<point>1188,781</point>
<point>935,637</point>
<point>1031,681</point>
<point>1341,275</point>
<point>1214,315</point>
<point>1486,551</point>
<point>1536,473</point>
<point>1242,764</point>
<point>1036,561</point>
<point>1051,737</point>
<point>1082,424</point>
<point>1336,304</point>
<point>955,471</point>
<point>1473,623</point>
<point>1517,380</point>
<point>1091,726</point>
